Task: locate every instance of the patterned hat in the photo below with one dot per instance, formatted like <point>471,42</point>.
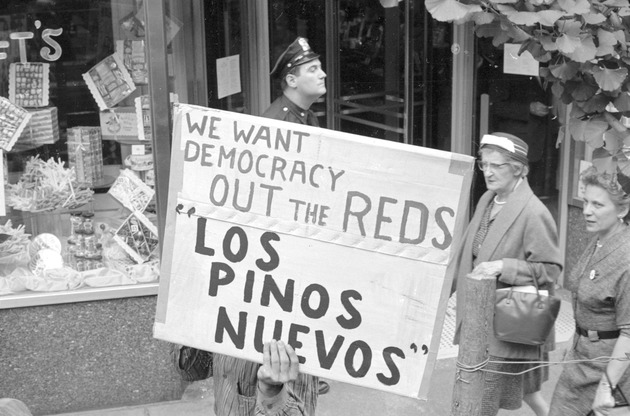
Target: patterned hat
<point>297,53</point>
<point>507,144</point>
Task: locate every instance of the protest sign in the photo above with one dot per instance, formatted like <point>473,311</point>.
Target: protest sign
<point>335,243</point>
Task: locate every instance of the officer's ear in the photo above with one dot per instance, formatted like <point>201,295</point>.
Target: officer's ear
<point>291,80</point>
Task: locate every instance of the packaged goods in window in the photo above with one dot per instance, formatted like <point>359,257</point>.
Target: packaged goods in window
<point>47,186</point>
<point>44,240</point>
<point>13,119</point>
<point>143,114</point>
<point>44,260</point>
<point>143,117</point>
<point>29,84</point>
<point>130,191</point>
<point>13,240</point>
<point>42,128</point>
<point>119,124</point>
<point>139,163</point>
<point>109,82</point>
<point>138,237</point>
<point>133,55</point>
<point>85,154</point>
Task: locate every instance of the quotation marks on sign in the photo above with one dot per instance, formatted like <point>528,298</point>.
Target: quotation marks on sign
<point>414,347</point>
<point>180,207</point>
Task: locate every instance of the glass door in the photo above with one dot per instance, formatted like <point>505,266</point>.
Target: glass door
<point>524,106</point>
<point>389,65</point>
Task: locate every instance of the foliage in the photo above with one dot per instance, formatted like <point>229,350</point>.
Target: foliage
<point>584,46</point>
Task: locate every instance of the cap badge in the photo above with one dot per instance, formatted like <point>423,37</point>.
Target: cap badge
<point>304,44</point>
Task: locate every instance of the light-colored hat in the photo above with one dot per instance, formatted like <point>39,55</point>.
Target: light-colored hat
<point>507,144</point>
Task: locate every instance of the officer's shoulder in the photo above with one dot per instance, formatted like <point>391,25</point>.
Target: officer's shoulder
<point>277,110</point>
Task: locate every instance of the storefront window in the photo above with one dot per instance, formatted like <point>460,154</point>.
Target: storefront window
<point>80,213</point>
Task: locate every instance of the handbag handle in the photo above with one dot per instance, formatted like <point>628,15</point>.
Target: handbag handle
<point>531,271</point>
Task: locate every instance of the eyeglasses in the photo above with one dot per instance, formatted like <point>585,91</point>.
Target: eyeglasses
<point>485,166</point>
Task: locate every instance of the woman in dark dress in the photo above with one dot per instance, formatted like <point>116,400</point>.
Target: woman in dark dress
<point>600,284</point>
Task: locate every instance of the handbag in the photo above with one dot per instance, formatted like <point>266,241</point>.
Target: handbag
<point>524,318</point>
<point>191,363</point>
<point>621,408</point>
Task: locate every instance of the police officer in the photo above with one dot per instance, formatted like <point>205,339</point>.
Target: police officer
<point>238,386</point>
<point>302,81</point>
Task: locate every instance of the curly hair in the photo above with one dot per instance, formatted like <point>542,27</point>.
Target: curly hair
<point>610,183</point>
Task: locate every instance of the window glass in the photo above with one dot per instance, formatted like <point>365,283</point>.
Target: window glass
<point>375,89</point>
<point>77,150</point>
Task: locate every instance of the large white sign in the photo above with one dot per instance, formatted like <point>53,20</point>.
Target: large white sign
<point>335,243</point>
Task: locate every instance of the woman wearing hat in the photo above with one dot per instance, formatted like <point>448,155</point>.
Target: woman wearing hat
<point>511,236</point>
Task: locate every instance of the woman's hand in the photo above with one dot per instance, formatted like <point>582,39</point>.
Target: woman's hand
<point>603,399</point>
<point>489,268</point>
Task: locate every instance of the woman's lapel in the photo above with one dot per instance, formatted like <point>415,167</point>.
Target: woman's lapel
<point>616,241</point>
<point>504,220</point>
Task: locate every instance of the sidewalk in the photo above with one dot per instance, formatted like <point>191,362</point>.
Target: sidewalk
<point>349,400</point>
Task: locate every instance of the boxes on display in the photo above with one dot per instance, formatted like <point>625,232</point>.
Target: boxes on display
<point>85,154</point>
<point>138,237</point>
<point>131,191</point>
<point>29,84</point>
<point>109,82</point>
<point>13,120</point>
<point>42,128</point>
<point>133,56</point>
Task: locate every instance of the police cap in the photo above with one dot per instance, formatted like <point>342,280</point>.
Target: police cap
<point>297,53</point>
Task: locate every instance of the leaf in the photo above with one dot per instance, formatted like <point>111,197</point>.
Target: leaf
<point>524,18</point>
<point>585,51</point>
<point>613,140</point>
<point>565,71</point>
<point>449,10</point>
<point>482,18</point>
<point>610,79</point>
<point>584,91</point>
<point>517,34</point>
<point>490,30</point>
<point>623,179</point>
<point>616,3</point>
<point>582,130</point>
<point>594,18</point>
<point>595,104</point>
<point>575,6</point>
<point>538,52</point>
<point>568,44</point>
<point>622,102</point>
<point>603,161</point>
<point>550,17</point>
<point>548,43</point>
<point>571,27</point>
<point>606,42</point>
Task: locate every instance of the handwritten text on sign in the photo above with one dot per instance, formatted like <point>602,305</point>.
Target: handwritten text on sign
<point>335,243</point>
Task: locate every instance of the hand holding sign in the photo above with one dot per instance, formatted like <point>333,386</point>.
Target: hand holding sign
<point>280,365</point>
